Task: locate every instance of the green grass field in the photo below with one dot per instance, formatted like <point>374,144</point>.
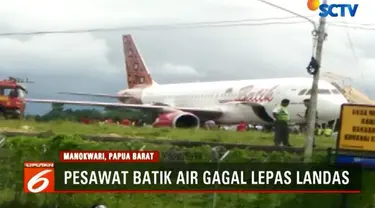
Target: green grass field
<point>21,148</point>
<point>250,137</point>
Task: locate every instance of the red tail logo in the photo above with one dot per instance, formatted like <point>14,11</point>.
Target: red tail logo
<point>137,74</point>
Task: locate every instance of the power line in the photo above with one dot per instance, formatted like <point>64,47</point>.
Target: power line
<point>357,60</point>
<point>211,24</point>
<point>360,24</point>
<point>289,11</point>
<point>352,26</point>
<point>252,24</point>
<point>228,23</point>
<point>243,20</point>
<point>351,46</point>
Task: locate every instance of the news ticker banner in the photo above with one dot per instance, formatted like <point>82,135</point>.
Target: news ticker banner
<point>138,172</point>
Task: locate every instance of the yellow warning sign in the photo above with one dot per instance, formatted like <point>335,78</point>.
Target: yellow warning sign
<point>357,130</point>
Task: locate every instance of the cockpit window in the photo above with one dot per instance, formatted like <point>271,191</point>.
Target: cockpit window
<point>302,92</point>
<point>334,91</point>
<point>13,92</point>
<point>8,92</point>
<point>321,92</point>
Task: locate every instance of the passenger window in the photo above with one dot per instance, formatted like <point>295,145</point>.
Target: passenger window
<point>320,91</point>
<point>302,92</point>
<point>324,91</point>
<point>335,92</point>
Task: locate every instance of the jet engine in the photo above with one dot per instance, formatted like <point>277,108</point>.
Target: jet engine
<point>177,119</point>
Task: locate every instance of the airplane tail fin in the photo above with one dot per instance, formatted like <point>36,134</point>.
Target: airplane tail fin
<point>136,69</point>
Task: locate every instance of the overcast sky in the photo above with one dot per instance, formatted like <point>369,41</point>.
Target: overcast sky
<point>94,62</point>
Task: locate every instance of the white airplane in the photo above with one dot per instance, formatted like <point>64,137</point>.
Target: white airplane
<point>187,105</point>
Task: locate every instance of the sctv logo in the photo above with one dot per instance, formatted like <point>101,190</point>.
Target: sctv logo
<point>333,10</point>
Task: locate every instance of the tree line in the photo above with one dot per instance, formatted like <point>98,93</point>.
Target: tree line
<point>60,112</point>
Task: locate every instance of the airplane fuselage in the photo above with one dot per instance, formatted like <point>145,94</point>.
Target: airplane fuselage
<point>226,102</point>
<point>251,101</point>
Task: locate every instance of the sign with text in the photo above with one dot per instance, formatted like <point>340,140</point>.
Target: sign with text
<point>357,130</point>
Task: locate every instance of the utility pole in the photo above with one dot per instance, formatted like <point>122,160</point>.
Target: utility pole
<point>321,35</point>
<point>311,117</point>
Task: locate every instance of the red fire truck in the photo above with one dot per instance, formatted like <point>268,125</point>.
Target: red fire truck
<point>12,98</point>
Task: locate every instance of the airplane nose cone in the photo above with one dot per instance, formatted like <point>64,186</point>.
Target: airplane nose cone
<point>329,107</point>
<point>122,92</point>
<point>339,100</point>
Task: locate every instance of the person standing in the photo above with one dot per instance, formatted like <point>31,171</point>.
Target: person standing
<point>242,126</point>
<point>126,122</point>
<point>281,115</point>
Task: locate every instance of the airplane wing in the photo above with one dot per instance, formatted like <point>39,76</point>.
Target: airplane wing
<point>200,112</point>
<point>95,94</point>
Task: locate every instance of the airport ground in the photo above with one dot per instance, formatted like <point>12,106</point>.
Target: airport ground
<point>21,148</point>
